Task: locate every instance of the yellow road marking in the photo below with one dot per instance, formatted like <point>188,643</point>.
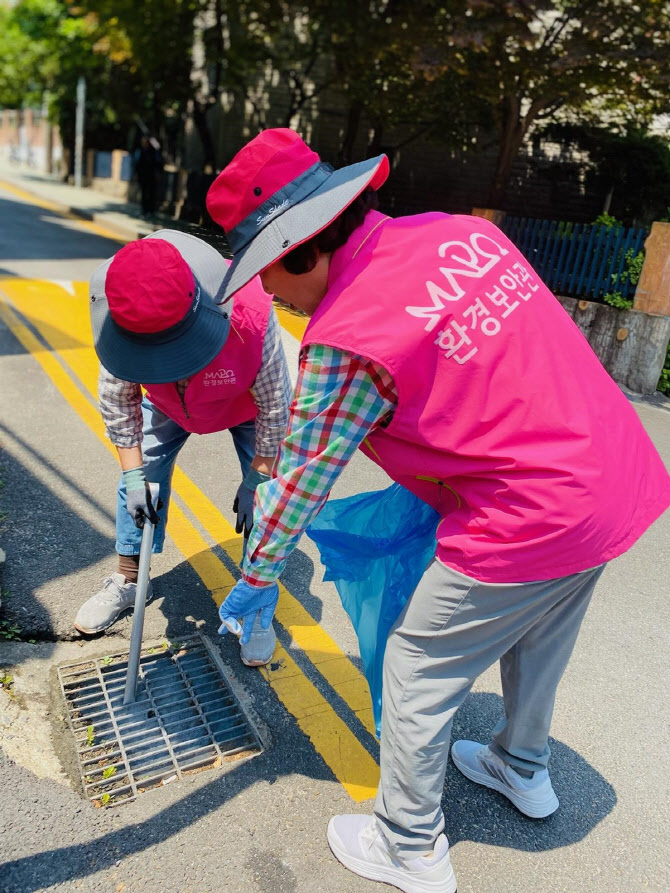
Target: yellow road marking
<point>293,323</point>
<point>58,209</point>
<point>33,199</point>
<point>44,304</point>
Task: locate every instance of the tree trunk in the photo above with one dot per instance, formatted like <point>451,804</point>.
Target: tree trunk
<point>512,129</point>
<point>202,126</point>
<point>630,344</point>
<point>375,144</point>
<point>345,155</point>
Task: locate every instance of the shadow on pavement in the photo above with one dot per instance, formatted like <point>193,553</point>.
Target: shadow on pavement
<point>472,813</point>
<point>18,242</point>
<point>483,816</point>
<point>58,339</point>
<point>43,537</point>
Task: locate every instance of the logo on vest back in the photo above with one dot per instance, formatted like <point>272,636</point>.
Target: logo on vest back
<point>220,377</point>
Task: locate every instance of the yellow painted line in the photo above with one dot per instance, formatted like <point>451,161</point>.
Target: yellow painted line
<point>58,209</point>
<point>293,323</point>
<point>336,668</point>
<point>46,305</point>
<point>348,759</point>
<point>27,196</point>
<point>56,373</point>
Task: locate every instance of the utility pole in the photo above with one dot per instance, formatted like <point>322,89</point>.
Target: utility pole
<point>48,136</point>
<point>79,131</point>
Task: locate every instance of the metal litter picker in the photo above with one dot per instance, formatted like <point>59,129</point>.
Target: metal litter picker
<point>130,690</point>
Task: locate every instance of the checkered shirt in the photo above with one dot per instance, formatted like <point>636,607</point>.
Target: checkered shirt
<point>121,401</point>
<point>339,399</point>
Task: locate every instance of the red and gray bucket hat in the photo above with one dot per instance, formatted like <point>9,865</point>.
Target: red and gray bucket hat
<point>153,309</point>
<point>276,194</point>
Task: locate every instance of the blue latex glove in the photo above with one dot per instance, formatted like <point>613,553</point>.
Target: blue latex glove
<point>244,602</point>
<point>244,501</point>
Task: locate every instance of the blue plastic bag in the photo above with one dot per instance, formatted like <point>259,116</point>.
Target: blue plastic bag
<point>375,548</point>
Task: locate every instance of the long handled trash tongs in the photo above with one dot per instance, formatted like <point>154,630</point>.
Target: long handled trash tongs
<point>130,690</point>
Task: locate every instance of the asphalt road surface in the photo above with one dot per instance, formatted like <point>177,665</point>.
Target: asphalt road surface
<point>260,825</point>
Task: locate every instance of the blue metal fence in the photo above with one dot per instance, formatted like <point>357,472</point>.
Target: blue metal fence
<point>127,167</point>
<point>578,259</point>
<point>102,164</point>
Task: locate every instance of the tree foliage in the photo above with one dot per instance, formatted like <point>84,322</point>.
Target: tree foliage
<point>522,61</point>
<point>400,67</point>
<point>632,166</point>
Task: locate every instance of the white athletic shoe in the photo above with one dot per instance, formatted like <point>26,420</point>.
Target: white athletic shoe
<point>533,797</point>
<point>103,608</point>
<point>258,651</point>
<point>358,843</point>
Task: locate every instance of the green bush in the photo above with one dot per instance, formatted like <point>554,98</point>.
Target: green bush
<point>631,273</point>
<point>607,220</point>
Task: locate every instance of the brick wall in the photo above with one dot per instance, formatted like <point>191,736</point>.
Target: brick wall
<point>27,137</point>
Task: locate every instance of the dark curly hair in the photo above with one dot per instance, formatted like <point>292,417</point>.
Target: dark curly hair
<point>303,258</point>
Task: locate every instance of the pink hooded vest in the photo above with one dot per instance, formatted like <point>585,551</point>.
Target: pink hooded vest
<point>506,421</point>
<point>217,397</point>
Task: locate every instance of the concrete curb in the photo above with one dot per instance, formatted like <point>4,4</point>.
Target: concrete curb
<point>127,230</point>
<point>124,231</point>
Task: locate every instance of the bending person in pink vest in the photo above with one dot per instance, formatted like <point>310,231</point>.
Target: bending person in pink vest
<point>435,348</point>
<point>205,368</point>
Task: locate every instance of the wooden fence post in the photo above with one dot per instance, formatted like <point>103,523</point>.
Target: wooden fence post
<point>653,289</point>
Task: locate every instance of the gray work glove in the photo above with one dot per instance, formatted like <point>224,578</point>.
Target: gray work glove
<point>244,501</point>
<point>138,498</point>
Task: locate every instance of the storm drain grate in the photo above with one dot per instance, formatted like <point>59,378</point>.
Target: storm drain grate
<point>186,718</point>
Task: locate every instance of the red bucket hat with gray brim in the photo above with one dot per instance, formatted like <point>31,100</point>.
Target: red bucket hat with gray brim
<point>276,194</point>
<point>153,309</point>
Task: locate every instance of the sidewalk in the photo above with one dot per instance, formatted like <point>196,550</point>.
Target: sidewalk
<point>120,217</point>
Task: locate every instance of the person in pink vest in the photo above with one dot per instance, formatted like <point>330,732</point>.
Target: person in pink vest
<point>434,347</point>
<point>205,368</point>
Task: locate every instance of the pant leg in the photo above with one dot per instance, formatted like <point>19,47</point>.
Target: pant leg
<point>244,440</point>
<point>531,671</point>
<point>162,440</point>
<point>451,630</point>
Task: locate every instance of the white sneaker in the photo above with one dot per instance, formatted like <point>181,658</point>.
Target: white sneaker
<point>103,608</point>
<point>259,649</point>
<point>358,843</point>
<point>533,797</point>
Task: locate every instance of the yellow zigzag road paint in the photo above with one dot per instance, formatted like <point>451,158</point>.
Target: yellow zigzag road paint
<point>46,305</point>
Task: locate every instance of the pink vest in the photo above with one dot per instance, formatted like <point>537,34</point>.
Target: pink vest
<point>506,421</point>
<point>217,397</point>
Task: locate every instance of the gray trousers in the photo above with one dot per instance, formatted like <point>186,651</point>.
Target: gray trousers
<point>451,630</point>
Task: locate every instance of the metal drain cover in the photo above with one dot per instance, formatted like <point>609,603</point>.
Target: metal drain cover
<point>186,718</point>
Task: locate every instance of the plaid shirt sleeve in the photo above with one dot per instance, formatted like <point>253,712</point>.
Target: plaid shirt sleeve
<point>121,408</point>
<point>271,392</point>
<point>339,399</point>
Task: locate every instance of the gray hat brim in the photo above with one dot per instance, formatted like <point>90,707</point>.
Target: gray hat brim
<point>140,360</point>
<point>299,223</point>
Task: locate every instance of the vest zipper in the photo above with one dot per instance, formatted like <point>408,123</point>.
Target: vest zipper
<point>419,477</point>
<point>423,477</point>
